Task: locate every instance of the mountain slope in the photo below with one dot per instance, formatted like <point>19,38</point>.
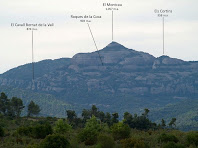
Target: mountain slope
<point>125,80</point>
<point>185,112</point>
<point>50,105</point>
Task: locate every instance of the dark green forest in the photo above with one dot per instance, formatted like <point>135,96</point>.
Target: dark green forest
<point>93,128</point>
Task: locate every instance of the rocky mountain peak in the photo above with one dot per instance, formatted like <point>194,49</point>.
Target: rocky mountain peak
<point>170,61</point>
<point>114,46</point>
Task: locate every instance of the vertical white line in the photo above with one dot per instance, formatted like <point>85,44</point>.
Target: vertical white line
<point>163,35</point>
<point>32,55</point>
<point>112,25</point>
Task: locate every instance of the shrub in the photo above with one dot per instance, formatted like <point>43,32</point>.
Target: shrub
<point>173,145</point>
<point>88,136</point>
<point>25,131</point>
<point>90,132</point>
<point>55,141</point>
<point>38,131</point>
<point>192,138</point>
<point>120,131</point>
<point>106,141</point>
<point>2,133</point>
<point>41,131</point>
<point>62,126</point>
<point>167,138</point>
<point>33,146</point>
<point>133,143</point>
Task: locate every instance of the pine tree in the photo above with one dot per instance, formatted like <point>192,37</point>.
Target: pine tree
<point>33,109</point>
<point>16,107</point>
<point>4,103</point>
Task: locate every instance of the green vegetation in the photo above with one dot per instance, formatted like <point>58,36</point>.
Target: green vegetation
<point>62,127</point>
<point>10,107</point>
<point>55,106</point>
<point>132,142</point>
<point>173,145</point>
<point>93,129</point>
<point>13,107</point>
<point>185,112</point>
<point>33,109</point>
<point>37,131</point>
<point>192,138</point>
<point>120,131</point>
<point>1,132</point>
<point>50,105</point>
<point>106,141</point>
<point>167,138</point>
<point>55,141</point>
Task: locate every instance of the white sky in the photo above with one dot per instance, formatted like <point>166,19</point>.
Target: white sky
<point>136,26</point>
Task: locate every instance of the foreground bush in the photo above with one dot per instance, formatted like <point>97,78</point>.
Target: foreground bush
<point>133,143</point>
<point>41,131</point>
<point>33,146</point>
<point>167,138</point>
<point>62,127</point>
<point>24,131</point>
<point>90,132</point>
<point>106,141</point>
<point>173,145</point>
<point>192,138</point>
<point>120,131</point>
<point>38,131</point>
<point>55,141</point>
<point>1,132</point>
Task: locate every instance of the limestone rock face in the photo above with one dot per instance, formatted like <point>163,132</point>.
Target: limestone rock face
<point>113,54</point>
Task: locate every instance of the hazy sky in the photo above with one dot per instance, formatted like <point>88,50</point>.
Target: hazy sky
<point>136,26</point>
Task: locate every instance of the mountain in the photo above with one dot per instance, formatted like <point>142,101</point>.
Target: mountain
<point>114,78</point>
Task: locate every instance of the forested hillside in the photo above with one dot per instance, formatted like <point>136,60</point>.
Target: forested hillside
<point>94,128</point>
<point>51,106</point>
<point>186,113</point>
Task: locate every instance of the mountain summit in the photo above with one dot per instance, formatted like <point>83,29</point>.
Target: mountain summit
<point>113,46</point>
<point>113,53</point>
